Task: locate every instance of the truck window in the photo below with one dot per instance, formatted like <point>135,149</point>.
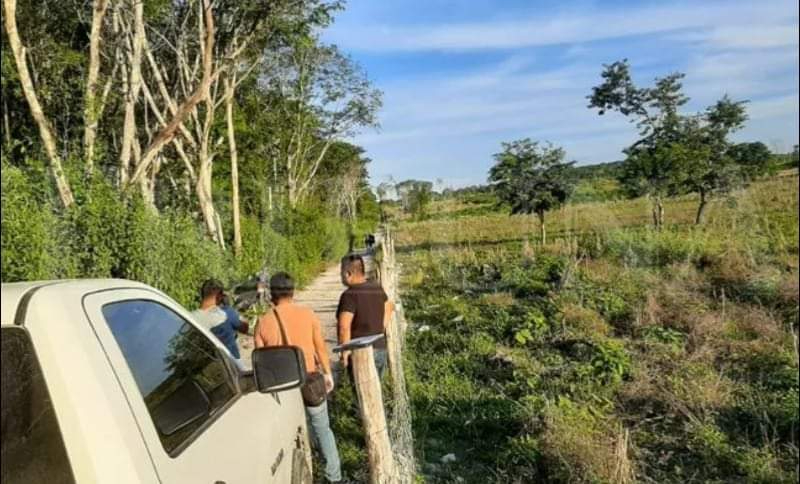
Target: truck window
<point>175,367</point>
<point>32,446</point>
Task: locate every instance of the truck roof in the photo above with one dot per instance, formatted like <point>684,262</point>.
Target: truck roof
<point>13,294</point>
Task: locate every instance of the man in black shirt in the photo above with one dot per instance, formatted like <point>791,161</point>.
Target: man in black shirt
<point>364,310</point>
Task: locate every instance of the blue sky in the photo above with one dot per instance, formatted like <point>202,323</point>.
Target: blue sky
<point>461,76</point>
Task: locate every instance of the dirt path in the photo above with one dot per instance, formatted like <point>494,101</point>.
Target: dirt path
<point>322,295</point>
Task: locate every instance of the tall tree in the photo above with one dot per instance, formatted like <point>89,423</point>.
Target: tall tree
<point>531,178</point>
<point>710,169</point>
<point>93,102</point>
<point>676,153</point>
<point>341,179</point>
<point>28,89</point>
<point>651,165</point>
<point>415,197</point>
<point>325,97</point>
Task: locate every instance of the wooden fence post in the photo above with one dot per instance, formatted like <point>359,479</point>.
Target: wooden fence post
<point>373,416</point>
<point>370,397</point>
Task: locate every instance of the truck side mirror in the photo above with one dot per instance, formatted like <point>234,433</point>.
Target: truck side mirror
<point>278,368</point>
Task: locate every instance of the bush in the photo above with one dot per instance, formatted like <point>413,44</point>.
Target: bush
<point>110,234</point>
<point>316,239</point>
<point>265,249</point>
<point>31,248</point>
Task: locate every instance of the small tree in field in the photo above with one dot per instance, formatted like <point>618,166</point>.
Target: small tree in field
<point>709,169</point>
<point>420,198</point>
<point>531,178</point>
<point>677,153</point>
<point>415,196</point>
<point>652,167</point>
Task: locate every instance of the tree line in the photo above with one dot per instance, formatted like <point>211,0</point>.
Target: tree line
<point>221,109</point>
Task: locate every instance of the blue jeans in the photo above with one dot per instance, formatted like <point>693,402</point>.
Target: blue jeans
<point>322,434</point>
<point>381,360</point>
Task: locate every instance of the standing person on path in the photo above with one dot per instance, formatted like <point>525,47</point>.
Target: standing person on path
<point>222,322</point>
<point>364,310</point>
<point>301,327</point>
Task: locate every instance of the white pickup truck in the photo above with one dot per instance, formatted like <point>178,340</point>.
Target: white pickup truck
<point>111,381</point>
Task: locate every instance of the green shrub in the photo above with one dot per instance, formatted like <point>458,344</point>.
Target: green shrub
<point>533,279</point>
<point>96,227</point>
<point>31,244</point>
<point>610,361</point>
<point>105,234</point>
<point>316,239</point>
<point>265,248</point>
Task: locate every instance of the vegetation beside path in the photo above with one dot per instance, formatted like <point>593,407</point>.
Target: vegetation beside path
<point>614,353</point>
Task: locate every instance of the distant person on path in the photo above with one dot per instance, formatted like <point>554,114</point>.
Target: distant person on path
<point>369,242</point>
<point>223,321</point>
<point>302,328</point>
<point>363,310</point>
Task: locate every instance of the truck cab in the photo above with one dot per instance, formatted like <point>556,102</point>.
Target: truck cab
<point>113,381</point>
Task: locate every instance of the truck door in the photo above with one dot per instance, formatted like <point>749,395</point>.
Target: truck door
<point>199,427</point>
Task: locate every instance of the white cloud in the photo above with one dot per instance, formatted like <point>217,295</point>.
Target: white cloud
<point>781,106</point>
<point>584,25</point>
<point>754,36</point>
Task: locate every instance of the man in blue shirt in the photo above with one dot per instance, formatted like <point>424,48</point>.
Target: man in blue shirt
<point>226,332</point>
<point>220,318</point>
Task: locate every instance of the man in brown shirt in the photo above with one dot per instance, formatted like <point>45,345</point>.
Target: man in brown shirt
<point>364,310</point>
<point>302,329</point>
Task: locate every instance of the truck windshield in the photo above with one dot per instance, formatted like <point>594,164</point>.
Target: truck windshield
<point>32,445</point>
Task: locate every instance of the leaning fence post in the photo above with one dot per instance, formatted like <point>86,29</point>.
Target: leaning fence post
<point>373,416</point>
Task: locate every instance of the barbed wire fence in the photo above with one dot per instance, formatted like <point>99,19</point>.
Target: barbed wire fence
<point>400,420</point>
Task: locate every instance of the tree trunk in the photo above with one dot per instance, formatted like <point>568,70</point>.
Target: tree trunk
<point>167,133</point>
<point>129,128</point>
<point>205,161</point>
<point>205,200</point>
<point>291,190</point>
<point>91,106</point>
<point>654,212</point>
<point>701,209</point>
<point>304,187</point>
<point>658,212</point>
<point>6,122</point>
<point>45,132</point>
<point>148,195</point>
<point>542,228</point>
<point>237,230</point>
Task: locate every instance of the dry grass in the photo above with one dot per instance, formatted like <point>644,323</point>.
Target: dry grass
<point>584,321</point>
<point>762,198</point>
<point>582,448</point>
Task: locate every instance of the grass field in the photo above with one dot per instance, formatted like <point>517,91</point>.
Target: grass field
<point>614,353</point>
